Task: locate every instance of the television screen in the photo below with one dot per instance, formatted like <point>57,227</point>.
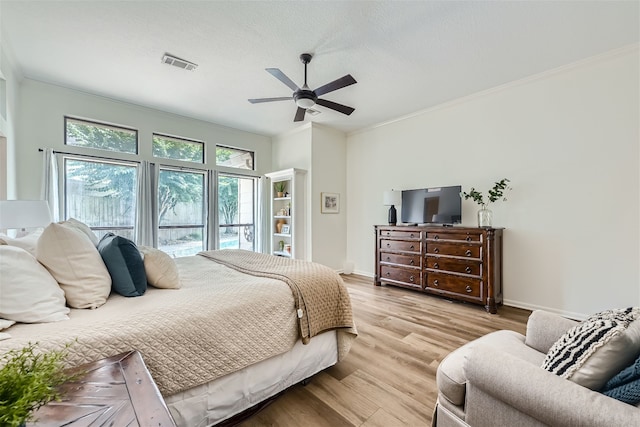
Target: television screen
<point>441,205</point>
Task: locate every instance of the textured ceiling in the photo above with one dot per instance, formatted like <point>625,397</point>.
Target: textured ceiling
<point>406,56</point>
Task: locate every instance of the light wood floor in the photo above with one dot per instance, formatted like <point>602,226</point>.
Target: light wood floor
<point>388,377</point>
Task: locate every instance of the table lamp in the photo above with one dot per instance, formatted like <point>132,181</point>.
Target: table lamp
<point>23,214</point>
<point>390,198</point>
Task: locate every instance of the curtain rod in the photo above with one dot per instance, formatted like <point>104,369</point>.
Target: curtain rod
<point>91,156</point>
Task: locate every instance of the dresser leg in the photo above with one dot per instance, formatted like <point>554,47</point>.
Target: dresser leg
<point>491,306</point>
<point>376,282</point>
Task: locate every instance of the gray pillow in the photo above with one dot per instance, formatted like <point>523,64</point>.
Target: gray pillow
<point>125,265</point>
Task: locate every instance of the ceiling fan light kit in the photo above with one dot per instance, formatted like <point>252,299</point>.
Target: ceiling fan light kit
<point>304,97</point>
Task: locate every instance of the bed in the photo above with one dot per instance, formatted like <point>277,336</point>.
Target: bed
<point>243,327</point>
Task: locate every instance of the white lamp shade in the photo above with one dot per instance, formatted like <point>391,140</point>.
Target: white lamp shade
<point>390,197</point>
<point>24,214</point>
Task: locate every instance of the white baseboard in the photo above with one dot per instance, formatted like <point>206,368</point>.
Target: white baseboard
<point>527,306</point>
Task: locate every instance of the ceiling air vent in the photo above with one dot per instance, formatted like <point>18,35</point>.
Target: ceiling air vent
<point>178,62</point>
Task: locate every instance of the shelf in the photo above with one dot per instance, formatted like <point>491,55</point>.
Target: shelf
<point>282,198</point>
<point>282,234</point>
<point>282,253</point>
<point>282,216</point>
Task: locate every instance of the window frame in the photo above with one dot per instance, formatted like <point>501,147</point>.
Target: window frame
<point>255,212</point>
<point>205,226</point>
<point>253,157</point>
<point>95,159</point>
<point>180,138</point>
<point>105,124</point>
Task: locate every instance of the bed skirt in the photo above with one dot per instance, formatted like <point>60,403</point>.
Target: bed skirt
<point>222,398</point>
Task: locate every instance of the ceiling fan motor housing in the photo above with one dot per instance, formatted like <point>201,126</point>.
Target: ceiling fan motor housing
<point>305,98</point>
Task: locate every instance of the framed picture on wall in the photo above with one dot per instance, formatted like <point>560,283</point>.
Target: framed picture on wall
<point>285,229</point>
<point>329,203</point>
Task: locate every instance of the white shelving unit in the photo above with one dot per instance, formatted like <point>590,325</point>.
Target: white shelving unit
<point>287,209</point>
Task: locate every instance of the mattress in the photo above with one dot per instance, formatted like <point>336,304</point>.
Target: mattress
<point>219,322</point>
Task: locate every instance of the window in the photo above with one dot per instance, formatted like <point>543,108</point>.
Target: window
<point>169,147</point>
<point>236,212</point>
<point>101,194</point>
<point>234,158</point>
<point>83,133</point>
<point>182,212</point>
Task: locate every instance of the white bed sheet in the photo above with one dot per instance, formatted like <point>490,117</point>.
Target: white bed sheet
<point>231,394</point>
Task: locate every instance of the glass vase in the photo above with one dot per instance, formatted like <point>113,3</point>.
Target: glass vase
<point>485,217</point>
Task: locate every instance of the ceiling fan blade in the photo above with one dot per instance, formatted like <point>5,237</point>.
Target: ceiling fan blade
<point>335,106</point>
<point>275,72</point>
<point>299,115</point>
<point>281,98</point>
<point>335,85</point>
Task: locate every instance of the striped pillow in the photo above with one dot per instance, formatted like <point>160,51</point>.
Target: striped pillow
<point>593,351</point>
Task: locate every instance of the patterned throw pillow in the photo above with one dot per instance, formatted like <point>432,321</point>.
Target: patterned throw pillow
<point>595,350</point>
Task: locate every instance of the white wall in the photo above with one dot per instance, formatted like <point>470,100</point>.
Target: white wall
<point>8,120</point>
<point>321,151</point>
<point>568,140</point>
<point>41,124</point>
<point>329,175</point>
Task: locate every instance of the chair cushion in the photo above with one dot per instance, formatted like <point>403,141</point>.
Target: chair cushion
<point>595,350</point>
<point>450,376</point>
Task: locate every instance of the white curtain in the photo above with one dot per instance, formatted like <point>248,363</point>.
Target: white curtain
<point>211,219</point>
<point>49,188</point>
<point>146,224</point>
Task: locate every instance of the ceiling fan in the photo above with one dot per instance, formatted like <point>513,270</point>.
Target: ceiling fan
<point>306,98</point>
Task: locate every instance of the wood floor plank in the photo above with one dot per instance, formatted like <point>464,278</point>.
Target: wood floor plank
<point>388,377</point>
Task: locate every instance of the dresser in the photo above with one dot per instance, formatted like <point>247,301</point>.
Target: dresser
<point>461,263</point>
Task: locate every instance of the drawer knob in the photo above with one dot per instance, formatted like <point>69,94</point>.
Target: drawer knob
<point>468,269</point>
<point>435,282</point>
<point>436,237</point>
<point>468,252</point>
<point>468,289</point>
<point>468,238</point>
<point>388,234</point>
<point>412,247</point>
<point>388,245</point>
<point>436,265</point>
<point>388,258</point>
<point>388,273</point>
<point>411,234</point>
<point>411,279</point>
<point>436,250</point>
<point>411,262</point>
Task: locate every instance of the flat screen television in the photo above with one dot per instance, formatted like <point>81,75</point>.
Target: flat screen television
<point>441,205</point>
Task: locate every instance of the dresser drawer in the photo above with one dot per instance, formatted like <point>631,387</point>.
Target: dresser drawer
<point>401,234</point>
<point>454,249</point>
<point>408,277</point>
<point>409,260</point>
<point>462,237</point>
<point>400,245</point>
<point>455,284</point>
<point>471,266</point>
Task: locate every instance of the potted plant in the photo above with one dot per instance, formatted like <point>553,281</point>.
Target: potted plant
<point>485,216</point>
<point>280,187</point>
<point>29,380</point>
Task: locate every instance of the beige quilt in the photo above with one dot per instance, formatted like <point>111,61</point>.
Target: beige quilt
<point>220,321</point>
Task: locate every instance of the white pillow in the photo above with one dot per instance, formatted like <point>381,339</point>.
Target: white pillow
<point>27,242</point>
<point>81,226</point>
<point>593,351</point>
<point>29,293</point>
<point>160,268</point>
<point>73,260</point>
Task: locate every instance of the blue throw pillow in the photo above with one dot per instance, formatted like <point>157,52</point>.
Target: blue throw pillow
<point>125,265</point>
<point>625,386</point>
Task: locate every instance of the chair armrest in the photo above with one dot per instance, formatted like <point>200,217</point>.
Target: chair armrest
<point>540,394</point>
<point>544,329</point>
